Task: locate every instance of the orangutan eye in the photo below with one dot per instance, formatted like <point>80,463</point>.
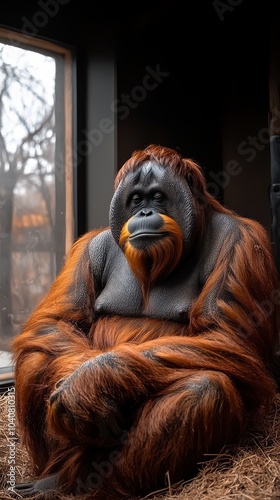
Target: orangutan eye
<point>158,197</point>
<point>136,199</point>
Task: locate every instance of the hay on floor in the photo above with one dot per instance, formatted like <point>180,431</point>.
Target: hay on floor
<point>250,473</point>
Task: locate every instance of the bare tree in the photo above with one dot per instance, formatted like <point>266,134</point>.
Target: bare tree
<point>27,143</point>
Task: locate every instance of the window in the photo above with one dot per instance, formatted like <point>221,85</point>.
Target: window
<point>36,176</point>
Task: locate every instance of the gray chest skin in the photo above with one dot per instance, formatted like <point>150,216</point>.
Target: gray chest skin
<point>119,293</point>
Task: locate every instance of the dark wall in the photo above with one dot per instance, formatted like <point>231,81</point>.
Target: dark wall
<point>214,96</point>
<point>245,114</point>
<point>191,76</point>
<point>176,51</point>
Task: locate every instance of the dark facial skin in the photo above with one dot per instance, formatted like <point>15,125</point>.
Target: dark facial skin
<point>147,194</point>
<point>145,226</point>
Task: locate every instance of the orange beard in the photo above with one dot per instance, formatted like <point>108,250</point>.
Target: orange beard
<point>158,259</point>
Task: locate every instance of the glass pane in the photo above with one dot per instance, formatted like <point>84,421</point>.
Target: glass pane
<point>27,184</point>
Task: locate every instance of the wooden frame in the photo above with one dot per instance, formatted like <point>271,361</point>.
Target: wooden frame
<point>65,216</point>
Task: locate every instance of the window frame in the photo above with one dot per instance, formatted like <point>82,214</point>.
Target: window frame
<point>66,147</point>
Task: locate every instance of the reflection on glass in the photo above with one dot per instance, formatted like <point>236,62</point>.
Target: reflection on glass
<point>27,184</point>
